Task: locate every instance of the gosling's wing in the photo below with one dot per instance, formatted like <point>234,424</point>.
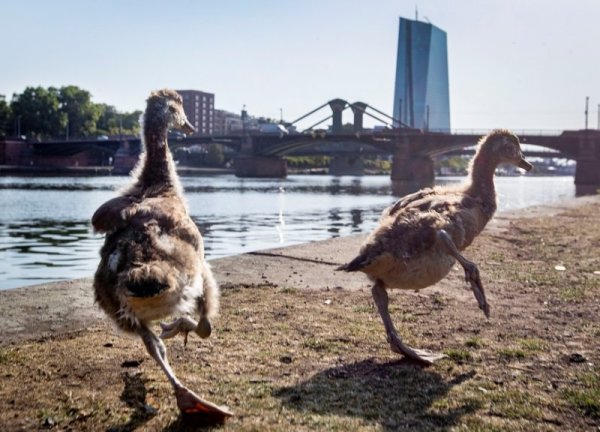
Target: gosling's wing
<point>395,242</point>
<point>171,214</point>
<point>406,200</point>
<point>113,214</point>
<point>188,232</point>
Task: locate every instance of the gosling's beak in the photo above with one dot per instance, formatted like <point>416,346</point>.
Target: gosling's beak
<point>188,128</point>
<point>524,164</point>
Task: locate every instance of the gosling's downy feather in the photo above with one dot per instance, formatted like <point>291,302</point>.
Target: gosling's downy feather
<point>403,251</point>
<point>152,262</point>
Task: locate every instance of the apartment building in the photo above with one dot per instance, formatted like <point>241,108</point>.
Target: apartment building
<point>199,108</point>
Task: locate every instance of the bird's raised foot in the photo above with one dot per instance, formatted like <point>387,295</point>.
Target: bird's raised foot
<point>190,403</point>
<point>426,358</point>
<point>479,293</point>
<point>182,325</point>
<point>185,325</point>
<point>204,329</point>
<point>473,278</point>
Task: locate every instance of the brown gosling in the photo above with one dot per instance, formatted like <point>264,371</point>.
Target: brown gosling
<point>152,262</point>
<point>420,237</point>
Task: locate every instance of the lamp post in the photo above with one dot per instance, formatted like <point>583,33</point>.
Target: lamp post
<point>587,102</point>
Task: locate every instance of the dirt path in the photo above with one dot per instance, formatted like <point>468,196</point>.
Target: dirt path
<point>284,357</point>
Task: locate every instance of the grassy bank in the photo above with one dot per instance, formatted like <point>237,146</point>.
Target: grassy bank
<point>288,359</point>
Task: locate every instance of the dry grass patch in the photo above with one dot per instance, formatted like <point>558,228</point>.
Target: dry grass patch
<point>284,359</point>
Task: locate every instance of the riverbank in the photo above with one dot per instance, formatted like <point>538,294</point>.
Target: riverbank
<point>90,171</point>
<point>299,346</point>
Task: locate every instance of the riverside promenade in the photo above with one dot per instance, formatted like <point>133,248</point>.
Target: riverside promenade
<point>298,346</point>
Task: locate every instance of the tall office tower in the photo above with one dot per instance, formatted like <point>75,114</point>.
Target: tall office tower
<point>199,108</point>
<point>421,95</point>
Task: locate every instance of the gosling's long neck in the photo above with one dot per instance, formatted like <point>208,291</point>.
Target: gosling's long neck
<point>158,168</point>
<point>481,183</point>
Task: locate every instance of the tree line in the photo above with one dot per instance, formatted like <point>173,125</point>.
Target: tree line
<point>67,112</point>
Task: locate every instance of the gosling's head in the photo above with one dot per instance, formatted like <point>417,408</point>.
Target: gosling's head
<point>165,108</point>
<point>505,148</point>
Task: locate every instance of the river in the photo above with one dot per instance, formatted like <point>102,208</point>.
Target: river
<point>45,233</point>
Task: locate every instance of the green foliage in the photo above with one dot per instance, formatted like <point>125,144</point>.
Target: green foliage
<point>474,342</point>
<point>512,353</point>
<point>65,112</point>
<point>454,165</point>
<point>39,113</point>
<point>378,165</point>
<point>108,121</point>
<point>214,156</point>
<point>81,113</point>
<point>5,117</point>
<point>458,355</point>
<point>308,161</point>
<point>130,122</point>
<point>585,396</point>
<point>111,122</point>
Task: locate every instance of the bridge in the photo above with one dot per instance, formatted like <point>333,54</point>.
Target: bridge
<point>262,154</point>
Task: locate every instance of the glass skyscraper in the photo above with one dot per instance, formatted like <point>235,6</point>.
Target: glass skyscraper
<point>421,95</point>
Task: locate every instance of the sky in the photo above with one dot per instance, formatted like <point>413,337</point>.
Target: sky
<point>520,64</point>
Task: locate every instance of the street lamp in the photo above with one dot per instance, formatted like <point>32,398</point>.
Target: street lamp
<point>587,102</point>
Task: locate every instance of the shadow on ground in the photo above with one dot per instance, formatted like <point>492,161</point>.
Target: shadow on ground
<point>395,394</point>
<point>134,395</point>
<point>187,423</point>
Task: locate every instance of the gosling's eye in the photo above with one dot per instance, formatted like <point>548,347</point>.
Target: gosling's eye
<point>171,108</point>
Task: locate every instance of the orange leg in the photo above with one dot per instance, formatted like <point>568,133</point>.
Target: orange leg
<point>187,401</point>
<point>381,300</point>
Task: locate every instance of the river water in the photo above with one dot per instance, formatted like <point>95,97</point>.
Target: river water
<point>45,233</point>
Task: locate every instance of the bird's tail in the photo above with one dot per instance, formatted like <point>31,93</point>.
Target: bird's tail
<point>356,264</point>
<point>147,280</point>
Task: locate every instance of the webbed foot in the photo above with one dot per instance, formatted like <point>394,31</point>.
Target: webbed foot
<point>427,358</point>
<point>191,404</point>
<point>185,325</point>
<point>472,277</point>
<point>182,325</point>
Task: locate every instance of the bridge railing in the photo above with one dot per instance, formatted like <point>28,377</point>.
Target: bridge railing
<point>529,132</point>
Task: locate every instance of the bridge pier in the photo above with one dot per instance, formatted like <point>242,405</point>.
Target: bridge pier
<point>411,172</point>
<point>126,157</point>
<point>260,166</point>
<point>587,171</point>
<point>344,165</point>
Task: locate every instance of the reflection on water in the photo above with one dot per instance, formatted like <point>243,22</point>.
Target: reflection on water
<point>33,251</point>
<point>45,232</point>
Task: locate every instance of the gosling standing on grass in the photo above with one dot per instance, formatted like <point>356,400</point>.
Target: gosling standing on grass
<point>420,237</point>
<point>152,262</point>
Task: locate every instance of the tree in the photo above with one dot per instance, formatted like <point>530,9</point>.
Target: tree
<point>108,121</point>
<point>111,122</point>
<point>82,114</point>
<point>5,117</point>
<point>37,110</point>
<point>131,122</point>
<point>214,155</point>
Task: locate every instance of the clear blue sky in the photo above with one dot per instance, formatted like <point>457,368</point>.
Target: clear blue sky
<point>522,64</point>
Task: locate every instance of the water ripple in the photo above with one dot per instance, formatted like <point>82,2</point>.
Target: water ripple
<point>45,232</point>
